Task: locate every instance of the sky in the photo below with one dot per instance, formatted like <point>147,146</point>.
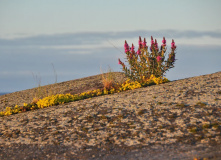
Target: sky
<point>45,40</point>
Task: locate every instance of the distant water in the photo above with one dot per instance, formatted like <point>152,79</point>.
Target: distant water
<point>3,93</point>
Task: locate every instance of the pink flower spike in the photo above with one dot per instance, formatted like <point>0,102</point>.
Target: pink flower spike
<point>173,45</point>
<point>138,52</point>
<point>140,42</point>
<point>125,44</point>
<point>158,58</point>
<point>119,61</point>
<point>164,41</point>
<point>152,41</point>
<point>126,47</point>
<point>144,43</point>
<point>156,44</point>
<point>132,48</point>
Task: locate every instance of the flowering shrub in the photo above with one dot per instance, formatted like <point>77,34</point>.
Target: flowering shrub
<point>143,64</point>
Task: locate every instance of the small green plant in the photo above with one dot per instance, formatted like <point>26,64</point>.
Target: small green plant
<point>144,64</point>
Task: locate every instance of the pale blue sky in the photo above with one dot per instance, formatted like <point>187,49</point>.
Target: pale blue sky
<point>31,17</point>
<point>77,36</point>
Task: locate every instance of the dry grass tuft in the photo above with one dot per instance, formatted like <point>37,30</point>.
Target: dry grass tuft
<point>108,79</point>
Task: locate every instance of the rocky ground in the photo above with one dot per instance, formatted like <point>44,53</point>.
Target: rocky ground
<point>176,120</point>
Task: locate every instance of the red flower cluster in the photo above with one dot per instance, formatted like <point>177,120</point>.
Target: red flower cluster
<point>173,47</point>
<point>126,47</point>
<point>164,42</point>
